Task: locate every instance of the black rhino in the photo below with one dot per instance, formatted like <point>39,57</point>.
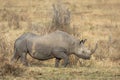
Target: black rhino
<point>58,45</point>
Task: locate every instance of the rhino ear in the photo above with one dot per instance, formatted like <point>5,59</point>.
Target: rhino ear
<point>83,41</point>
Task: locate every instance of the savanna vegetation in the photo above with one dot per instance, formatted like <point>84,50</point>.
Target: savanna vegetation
<point>94,20</point>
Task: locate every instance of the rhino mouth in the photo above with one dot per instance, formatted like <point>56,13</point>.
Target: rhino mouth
<point>83,57</point>
<point>86,57</point>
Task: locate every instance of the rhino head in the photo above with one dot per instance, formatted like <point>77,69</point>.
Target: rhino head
<point>82,51</point>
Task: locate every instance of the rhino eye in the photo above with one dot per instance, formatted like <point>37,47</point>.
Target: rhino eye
<point>83,51</point>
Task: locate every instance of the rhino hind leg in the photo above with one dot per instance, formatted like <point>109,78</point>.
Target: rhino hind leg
<point>57,61</point>
<point>23,59</point>
<point>15,58</point>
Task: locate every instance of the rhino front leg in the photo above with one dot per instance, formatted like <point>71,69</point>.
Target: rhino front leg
<point>24,59</point>
<point>61,55</point>
<point>66,61</point>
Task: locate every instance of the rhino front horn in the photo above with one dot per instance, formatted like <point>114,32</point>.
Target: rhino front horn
<point>93,50</point>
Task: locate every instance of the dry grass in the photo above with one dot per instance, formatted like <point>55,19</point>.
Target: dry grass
<point>76,73</point>
<point>10,70</point>
<point>96,20</point>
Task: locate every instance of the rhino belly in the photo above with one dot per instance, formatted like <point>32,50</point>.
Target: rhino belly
<point>42,55</point>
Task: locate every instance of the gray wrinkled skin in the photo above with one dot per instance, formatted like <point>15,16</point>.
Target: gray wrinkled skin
<point>58,45</point>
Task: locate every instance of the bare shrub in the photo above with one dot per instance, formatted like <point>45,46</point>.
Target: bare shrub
<point>61,17</point>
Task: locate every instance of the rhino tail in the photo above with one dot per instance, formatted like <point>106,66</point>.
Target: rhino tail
<point>15,56</point>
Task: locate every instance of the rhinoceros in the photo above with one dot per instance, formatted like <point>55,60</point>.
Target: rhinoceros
<point>58,45</point>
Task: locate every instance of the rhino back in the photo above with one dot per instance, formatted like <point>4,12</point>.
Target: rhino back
<point>55,39</point>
